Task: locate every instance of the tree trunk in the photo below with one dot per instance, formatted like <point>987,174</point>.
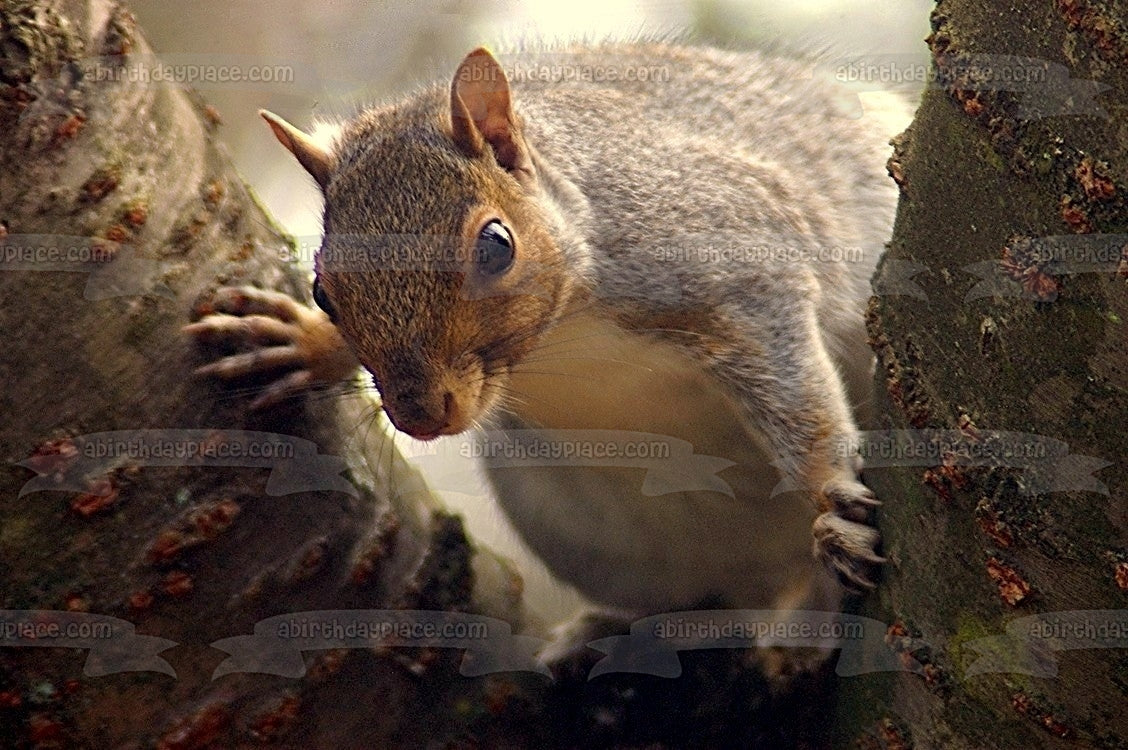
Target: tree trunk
<point>1015,201</point>
<point>190,552</point>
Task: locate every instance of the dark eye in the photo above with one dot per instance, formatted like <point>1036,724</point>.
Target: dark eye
<point>323,302</point>
<point>494,249</point>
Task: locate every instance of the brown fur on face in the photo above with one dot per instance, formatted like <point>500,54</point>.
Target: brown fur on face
<point>397,264</point>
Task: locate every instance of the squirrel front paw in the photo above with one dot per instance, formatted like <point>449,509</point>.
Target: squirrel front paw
<point>283,335</point>
<point>844,542</point>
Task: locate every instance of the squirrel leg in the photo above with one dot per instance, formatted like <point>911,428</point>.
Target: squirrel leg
<point>282,335</point>
<point>789,389</point>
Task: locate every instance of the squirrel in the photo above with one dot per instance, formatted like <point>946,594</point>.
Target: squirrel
<point>685,254</point>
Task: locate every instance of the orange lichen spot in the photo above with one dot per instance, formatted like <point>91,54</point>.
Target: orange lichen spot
<point>377,550</point>
<point>1120,575</point>
<point>896,630</point>
<point>100,184</point>
<point>991,525</point>
<point>203,524</point>
<point>177,584</point>
<point>934,480</point>
<point>1075,216</point>
<point>1055,727</point>
<point>310,560</point>
<point>198,731</point>
<point>167,546</point>
<point>273,724</point>
<point>933,677</point>
<point>212,519</point>
<point>117,233</point>
<point>327,663</point>
<point>1012,587</point>
<point>1021,264</point>
<point>1041,287</point>
<point>68,129</point>
<point>214,193</point>
<point>1025,707</point>
<point>45,732</point>
<point>139,601</point>
<point>892,738</point>
<point>1093,181</point>
<point>100,495</point>
<point>75,602</point>
<point>1103,31</point>
<point>136,213</point>
<point>54,456</point>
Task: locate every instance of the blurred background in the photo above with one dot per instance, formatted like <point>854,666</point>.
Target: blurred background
<point>346,53</point>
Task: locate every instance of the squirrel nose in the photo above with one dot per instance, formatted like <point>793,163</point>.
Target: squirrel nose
<point>422,418</point>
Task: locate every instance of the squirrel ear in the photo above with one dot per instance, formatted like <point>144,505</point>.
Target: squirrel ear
<point>316,160</point>
<point>481,112</point>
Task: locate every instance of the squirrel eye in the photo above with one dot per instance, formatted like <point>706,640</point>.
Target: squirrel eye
<point>494,249</point>
<point>323,302</point>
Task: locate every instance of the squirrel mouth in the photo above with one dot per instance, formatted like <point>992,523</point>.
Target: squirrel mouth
<point>426,436</point>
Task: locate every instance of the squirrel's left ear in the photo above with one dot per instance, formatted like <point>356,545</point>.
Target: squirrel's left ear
<point>481,112</point>
<point>316,160</point>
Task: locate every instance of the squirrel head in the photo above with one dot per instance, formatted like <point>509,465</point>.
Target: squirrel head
<point>440,263</point>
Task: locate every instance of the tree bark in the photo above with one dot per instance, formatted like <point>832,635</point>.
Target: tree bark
<point>188,553</point>
<point>1007,340</point>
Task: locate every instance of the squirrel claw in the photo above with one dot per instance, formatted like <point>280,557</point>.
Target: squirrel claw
<point>285,387</point>
<point>250,363</point>
<point>243,301</point>
<point>854,582</point>
<point>847,549</point>
<point>850,499</point>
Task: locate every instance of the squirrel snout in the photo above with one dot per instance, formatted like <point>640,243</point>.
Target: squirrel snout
<point>425,416</point>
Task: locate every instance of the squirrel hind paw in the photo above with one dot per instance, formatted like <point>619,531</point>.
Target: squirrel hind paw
<point>850,499</point>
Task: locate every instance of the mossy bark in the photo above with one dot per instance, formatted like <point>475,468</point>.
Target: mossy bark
<point>971,548</point>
